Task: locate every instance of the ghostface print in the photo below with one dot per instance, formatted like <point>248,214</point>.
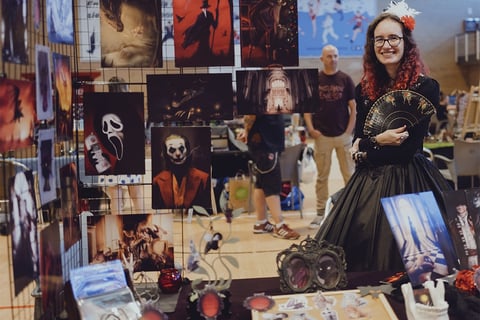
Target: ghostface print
<point>114,133</point>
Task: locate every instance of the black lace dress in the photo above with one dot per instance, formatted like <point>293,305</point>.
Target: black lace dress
<point>357,221</point>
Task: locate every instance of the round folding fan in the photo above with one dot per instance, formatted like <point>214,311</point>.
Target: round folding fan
<point>395,109</point>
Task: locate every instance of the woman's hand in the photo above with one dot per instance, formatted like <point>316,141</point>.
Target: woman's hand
<point>242,136</point>
<point>393,137</point>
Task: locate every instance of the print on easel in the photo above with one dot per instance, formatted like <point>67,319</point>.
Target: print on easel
<point>70,205</point>
<point>23,222</point>
<point>17,114</point>
<point>64,94</point>
<point>276,91</point>
<point>181,161</point>
<point>131,33</point>
<point>464,226</point>
<point>51,272</point>
<point>189,97</point>
<point>203,33</point>
<point>268,33</point>
<point>60,21</point>
<point>114,133</point>
<point>43,82</point>
<point>46,165</point>
<point>13,27</point>
<point>421,235</point>
<point>146,238</point>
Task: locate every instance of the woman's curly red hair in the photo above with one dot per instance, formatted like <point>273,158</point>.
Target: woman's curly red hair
<point>375,80</point>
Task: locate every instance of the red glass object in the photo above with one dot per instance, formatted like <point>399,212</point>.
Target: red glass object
<point>170,280</point>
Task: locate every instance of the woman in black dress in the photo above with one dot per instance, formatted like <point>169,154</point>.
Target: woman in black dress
<point>389,162</point>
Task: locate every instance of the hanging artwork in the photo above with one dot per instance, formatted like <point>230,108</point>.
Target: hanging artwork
<point>203,33</point>
<point>421,234</point>
<point>46,165</point>
<point>114,133</point>
<point>89,30</point>
<point>43,83</point>
<point>64,94</point>
<point>464,225</point>
<point>13,27</point>
<point>181,160</point>
<point>51,274</point>
<point>70,204</point>
<point>131,33</point>
<point>17,114</point>
<point>342,23</point>
<point>147,239</point>
<point>60,21</point>
<point>268,33</point>
<point>189,97</point>
<point>23,222</point>
<point>276,91</point>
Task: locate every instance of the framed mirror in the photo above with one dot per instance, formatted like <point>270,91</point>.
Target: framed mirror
<point>311,266</point>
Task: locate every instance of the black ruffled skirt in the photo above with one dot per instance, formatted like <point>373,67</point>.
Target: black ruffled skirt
<point>357,221</point>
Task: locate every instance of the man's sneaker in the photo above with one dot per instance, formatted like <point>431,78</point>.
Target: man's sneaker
<point>284,232</point>
<point>265,227</point>
<point>315,224</point>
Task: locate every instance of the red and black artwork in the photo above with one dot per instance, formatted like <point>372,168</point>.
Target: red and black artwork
<point>64,94</point>
<point>51,275</point>
<point>17,114</point>
<point>46,165</point>
<point>203,33</point>
<point>131,33</point>
<point>276,91</point>
<point>189,97</point>
<point>13,25</point>
<point>43,82</point>
<point>114,133</point>
<point>23,222</point>
<point>146,239</point>
<point>268,33</point>
<point>70,204</point>
<point>181,160</point>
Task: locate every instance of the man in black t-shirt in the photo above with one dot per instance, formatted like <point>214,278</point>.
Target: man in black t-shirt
<point>331,126</point>
<point>265,137</point>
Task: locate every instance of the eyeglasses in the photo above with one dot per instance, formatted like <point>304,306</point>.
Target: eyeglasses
<point>393,41</point>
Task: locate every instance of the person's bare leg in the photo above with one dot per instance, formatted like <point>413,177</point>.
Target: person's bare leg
<point>116,199</point>
<point>260,204</point>
<point>273,204</point>
<point>136,195</point>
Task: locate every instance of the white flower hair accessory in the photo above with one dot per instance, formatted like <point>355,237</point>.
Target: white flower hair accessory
<point>406,14</point>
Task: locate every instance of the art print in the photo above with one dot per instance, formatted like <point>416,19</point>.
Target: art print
<point>64,94</point>
<point>70,204</point>
<point>203,33</point>
<point>422,237</point>
<point>464,225</point>
<point>268,33</point>
<point>147,239</point>
<point>342,23</point>
<point>46,165</point>
<point>181,160</point>
<point>14,35</point>
<point>189,97</point>
<point>60,21</point>
<point>277,91</point>
<point>23,222</point>
<point>114,133</point>
<point>43,83</point>
<point>131,33</point>
<point>17,114</point>
<point>51,275</point>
